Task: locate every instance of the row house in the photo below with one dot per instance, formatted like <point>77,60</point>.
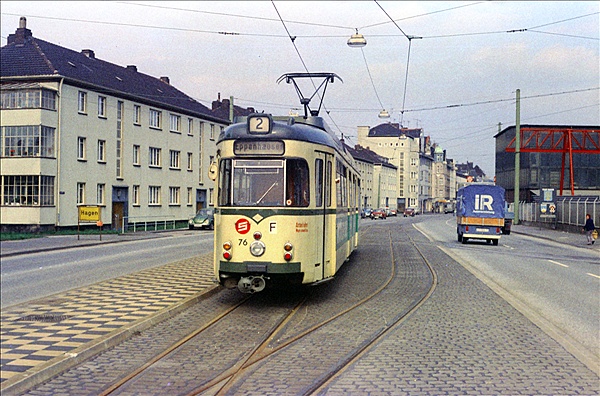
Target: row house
<point>378,178</point>
<point>77,130</point>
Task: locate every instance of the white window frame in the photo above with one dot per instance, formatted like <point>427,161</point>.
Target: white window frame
<point>80,193</point>
<point>174,195</point>
<point>101,106</point>
<point>174,159</point>
<point>137,115</point>
<point>153,195</point>
<point>175,123</point>
<point>190,127</point>
<point>82,102</point>
<point>136,155</point>
<point>155,119</point>
<point>154,157</point>
<point>81,148</point>
<point>190,195</point>
<point>100,190</point>
<point>190,161</point>
<point>101,151</point>
<point>136,195</point>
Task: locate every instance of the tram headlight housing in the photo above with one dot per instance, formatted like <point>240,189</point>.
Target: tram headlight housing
<point>257,248</point>
<point>287,255</point>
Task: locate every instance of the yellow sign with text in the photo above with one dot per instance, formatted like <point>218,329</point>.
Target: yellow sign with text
<point>89,213</point>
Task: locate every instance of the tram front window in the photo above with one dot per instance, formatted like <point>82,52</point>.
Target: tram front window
<point>263,183</point>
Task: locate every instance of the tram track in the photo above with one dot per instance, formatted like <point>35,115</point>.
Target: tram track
<point>270,343</point>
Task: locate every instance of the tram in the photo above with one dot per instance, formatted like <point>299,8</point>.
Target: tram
<point>287,198</point>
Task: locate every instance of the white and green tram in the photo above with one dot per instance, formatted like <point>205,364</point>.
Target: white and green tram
<point>286,207</point>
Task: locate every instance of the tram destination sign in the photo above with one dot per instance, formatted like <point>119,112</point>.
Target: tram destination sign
<point>258,147</point>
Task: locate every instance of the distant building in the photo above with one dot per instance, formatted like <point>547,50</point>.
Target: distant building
<point>470,169</point>
<point>77,130</point>
<point>402,147</point>
<point>543,169</point>
<point>378,178</point>
<point>444,179</point>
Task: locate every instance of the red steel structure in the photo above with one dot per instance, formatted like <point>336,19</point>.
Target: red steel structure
<point>559,140</point>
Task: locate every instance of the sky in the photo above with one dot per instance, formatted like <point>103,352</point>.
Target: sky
<point>451,68</point>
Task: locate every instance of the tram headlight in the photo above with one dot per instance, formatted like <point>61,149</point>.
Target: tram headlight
<point>287,247</point>
<point>227,246</point>
<point>257,248</point>
<point>287,256</point>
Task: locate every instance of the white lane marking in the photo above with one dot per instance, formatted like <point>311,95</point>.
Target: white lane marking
<point>594,275</point>
<point>557,263</point>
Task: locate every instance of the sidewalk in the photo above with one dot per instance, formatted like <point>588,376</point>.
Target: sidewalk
<point>58,242</point>
<point>568,238</point>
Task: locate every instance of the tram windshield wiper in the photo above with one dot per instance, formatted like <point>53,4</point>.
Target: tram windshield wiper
<point>266,192</point>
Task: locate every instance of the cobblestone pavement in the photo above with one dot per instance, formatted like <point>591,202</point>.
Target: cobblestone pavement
<point>466,340</point>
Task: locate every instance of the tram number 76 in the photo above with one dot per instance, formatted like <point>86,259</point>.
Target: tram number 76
<point>243,242</point>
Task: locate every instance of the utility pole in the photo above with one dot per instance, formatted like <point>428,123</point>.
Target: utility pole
<point>517,156</point>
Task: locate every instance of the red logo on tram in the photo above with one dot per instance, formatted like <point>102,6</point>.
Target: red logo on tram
<point>242,226</point>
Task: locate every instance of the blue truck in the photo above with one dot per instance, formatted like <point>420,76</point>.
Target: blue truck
<point>480,212</point>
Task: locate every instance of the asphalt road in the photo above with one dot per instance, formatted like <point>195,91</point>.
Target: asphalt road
<point>556,285</point>
<point>36,275</point>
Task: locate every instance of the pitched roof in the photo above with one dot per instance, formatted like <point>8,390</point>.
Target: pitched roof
<point>27,56</point>
<point>394,130</point>
<point>364,154</point>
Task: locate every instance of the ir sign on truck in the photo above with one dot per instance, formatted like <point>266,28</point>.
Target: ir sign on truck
<point>242,226</point>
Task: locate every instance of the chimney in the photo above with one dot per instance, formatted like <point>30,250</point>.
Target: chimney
<point>21,34</point>
<point>89,53</point>
<point>165,80</point>
<point>132,68</point>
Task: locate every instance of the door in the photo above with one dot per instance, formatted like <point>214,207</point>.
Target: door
<point>323,202</point>
<point>119,207</point>
<point>117,215</point>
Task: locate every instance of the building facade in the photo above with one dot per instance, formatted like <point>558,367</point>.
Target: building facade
<point>544,168</point>
<point>79,131</point>
<point>401,147</point>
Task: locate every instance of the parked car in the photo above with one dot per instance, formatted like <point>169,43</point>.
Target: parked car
<point>205,218</point>
<point>378,214</point>
<point>409,212</point>
<point>393,212</point>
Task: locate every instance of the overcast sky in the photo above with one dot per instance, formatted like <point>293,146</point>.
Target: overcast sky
<point>467,59</point>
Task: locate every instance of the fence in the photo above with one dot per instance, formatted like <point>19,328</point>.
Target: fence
<point>570,212</point>
<point>147,223</point>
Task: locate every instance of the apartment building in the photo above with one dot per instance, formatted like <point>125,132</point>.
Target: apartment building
<point>77,130</point>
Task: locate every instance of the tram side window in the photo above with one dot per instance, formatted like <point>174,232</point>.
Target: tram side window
<point>319,183</point>
<point>297,183</point>
<point>224,190</point>
<point>328,182</point>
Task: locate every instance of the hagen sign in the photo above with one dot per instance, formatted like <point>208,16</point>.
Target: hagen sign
<point>89,213</point>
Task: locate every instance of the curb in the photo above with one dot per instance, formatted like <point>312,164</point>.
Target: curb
<point>34,377</point>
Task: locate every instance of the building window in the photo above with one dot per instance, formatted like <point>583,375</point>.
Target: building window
<point>154,195</point>
<point>80,193</point>
<point>190,161</point>
<point>154,157</point>
<point>81,148</point>
<point>82,102</point>
<point>212,131</point>
<point>27,141</point>
<point>211,197</point>
<point>136,155</point>
<point>175,123</point>
<point>190,126</point>
<point>155,119</point>
<point>137,114</point>
<point>100,194</point>
<point>101,150</point>
<point>102,106</point>
<point>174,195</point>
<point>190,195</point>
<point>28,190</point>
<point>119,140</point>
<point>174,162</point>
<point>28,99</point>
<point>136,195</point>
